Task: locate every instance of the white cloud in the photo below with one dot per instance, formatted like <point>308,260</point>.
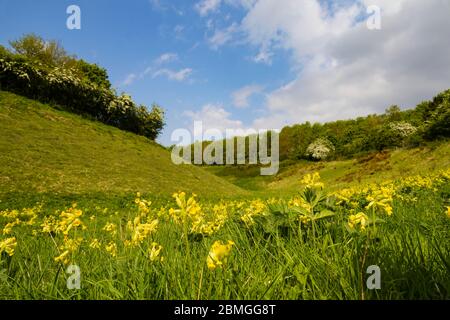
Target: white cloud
<point>241,96</point>
<point>180,75</point>
<point>264,56</point>
<point>204,7</point>
<point>247,4</point>
<point>344,69</point>
<point>129,80</point>
<point>166,58</point>
<point>223,36</point>
<point>214,116</point>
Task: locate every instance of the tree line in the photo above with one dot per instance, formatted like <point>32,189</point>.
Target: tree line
<point>428,121</point>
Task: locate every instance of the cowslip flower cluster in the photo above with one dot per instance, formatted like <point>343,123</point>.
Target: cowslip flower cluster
<point>189,213</point>
<point>110,228</point>
<point>8,245</point>
<point>218,254</point>
<point>154,253</point>
<point>27,217</point>
<point>143,225</point>
<point>359,220</point>
<point>312,181</point>
<point>255,208</point>
<point>111,248</point>
<point>381,199</point>
<point>70,219</point>
<point>67,249</point>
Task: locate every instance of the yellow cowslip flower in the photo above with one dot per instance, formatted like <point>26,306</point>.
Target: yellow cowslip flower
<point>10,214</point>
<point>67,248</point>
<point>111,248</point>
<point>9,226</point>
<point>8,245</point>
<point>70,219</point>
<point>95,244</point>
<point>312,181</point>
<point>256,208</point>
<point>448,212</point>
<point>92,218</point>
<point>359,219</point>
<point>71,244</point>
<point>49,225</point>
<point>380,198</point>
<point>63,257</point>
<point>154,252</point>
<point>111,228</point>
<point>30,214</point>
<point>216,221</point>
<point>300,203</point>
<point>143,205</point>
<point>219,254</point>
<point>142,230</point>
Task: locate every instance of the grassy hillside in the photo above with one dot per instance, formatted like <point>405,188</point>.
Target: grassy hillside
<point>376,167</point>
<point>43,150</point>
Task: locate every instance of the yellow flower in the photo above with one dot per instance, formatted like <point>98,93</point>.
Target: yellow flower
<point>154,252</point>
<point>49,225</point>
<point>8,245</point>
<point>312,181</point>
<point>111,248</point>
<point>256,208</point>
<point>448,212</point>
<point>63,257</point>
<point>140,231</point>
<point>70,219</point>
<point>95,244</point>
<point>218,254</point>
<point>9,226</point>
<point>359,219</point>
<point>111,228</point>
<point>67,248</point>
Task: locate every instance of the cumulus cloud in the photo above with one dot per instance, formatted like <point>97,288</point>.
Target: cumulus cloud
<point>346,69</point>
<point>241,97</point>
<point>214,116</point>
<point>180,75</point>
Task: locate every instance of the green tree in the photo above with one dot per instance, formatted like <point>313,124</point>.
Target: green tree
<point>94,73</point>
<point>49,53</point>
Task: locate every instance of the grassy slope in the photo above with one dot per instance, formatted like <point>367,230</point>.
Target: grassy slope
<point>43,150</point>
<point>379,167</point>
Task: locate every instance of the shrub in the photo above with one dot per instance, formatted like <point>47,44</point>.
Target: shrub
<point>437,117</point>
<point>64,87</point>
<point>320,149</point>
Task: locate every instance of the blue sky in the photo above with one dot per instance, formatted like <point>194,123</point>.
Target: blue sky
<point>127,37</point>
<point>251,63</point>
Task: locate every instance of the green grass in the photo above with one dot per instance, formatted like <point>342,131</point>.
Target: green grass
<point>411,248</point>
<point>46,151</point>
